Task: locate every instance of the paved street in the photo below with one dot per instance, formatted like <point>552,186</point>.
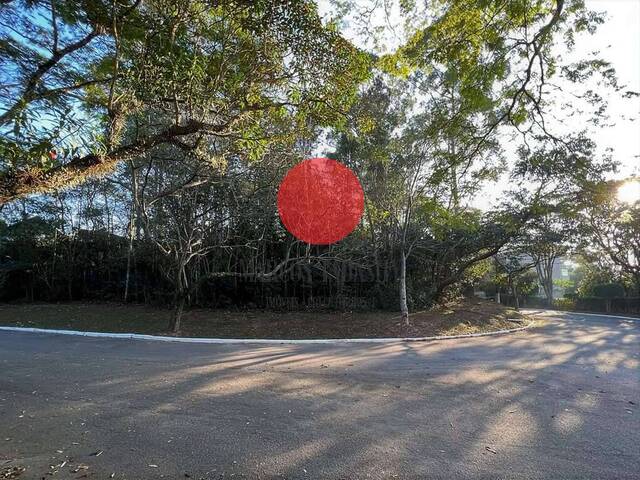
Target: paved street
<point>560,401</point>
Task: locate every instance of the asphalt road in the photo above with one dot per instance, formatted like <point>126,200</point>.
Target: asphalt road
<point>560,401</point>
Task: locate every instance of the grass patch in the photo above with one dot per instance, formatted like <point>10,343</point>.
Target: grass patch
<point>466,316</point>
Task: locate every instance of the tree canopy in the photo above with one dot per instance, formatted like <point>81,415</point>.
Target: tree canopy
<point>102,82</point>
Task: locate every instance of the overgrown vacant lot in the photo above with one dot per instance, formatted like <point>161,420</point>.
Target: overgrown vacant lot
<point>468,316</point>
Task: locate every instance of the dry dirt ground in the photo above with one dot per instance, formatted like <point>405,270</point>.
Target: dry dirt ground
<point>465,316</point>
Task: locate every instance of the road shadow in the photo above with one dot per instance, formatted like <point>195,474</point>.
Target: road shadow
<point>555,401</point>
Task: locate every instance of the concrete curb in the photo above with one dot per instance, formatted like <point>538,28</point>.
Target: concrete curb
<point>555,312</point>
<point>160,338</point>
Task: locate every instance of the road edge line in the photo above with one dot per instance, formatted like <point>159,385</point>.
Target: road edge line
<point>231,341</point>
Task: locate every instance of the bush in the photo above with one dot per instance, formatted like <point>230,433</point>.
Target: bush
<point>625,305</point>
<point>565,304</point>
<point>591,304</point>
<point>608,290</point>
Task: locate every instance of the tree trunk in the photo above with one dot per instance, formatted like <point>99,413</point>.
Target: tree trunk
<point>179,299</point>
<point>549,280</point>
<point>404,309</point>
<point>129,254</point>
<point>133,227</point>
<point>176,315</point>
<point>545,275</point>
<point>514,289</point>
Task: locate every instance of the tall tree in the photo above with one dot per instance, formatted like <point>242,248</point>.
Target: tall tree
<point>611,227</point>
<point>515,264</point>
<point>549,239</point>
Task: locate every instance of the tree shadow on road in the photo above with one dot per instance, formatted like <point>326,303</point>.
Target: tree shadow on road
<point>539,403</point>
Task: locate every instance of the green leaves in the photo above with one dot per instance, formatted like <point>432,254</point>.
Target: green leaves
<point>245,76</point>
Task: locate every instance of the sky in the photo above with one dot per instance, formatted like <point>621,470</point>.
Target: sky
<point>617,40</point>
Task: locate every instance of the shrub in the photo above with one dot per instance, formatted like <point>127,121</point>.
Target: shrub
<point>565,304</point>
<point>608,290</point>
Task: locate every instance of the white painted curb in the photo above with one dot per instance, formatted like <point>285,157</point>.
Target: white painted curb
<point>556,312</point>
<point>137,336</point>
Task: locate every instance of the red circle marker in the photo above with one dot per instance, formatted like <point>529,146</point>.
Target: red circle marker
<point>320,201</point>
